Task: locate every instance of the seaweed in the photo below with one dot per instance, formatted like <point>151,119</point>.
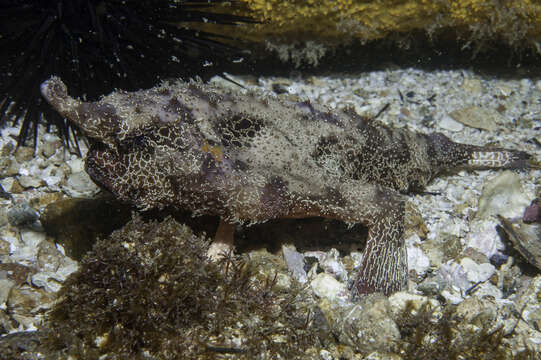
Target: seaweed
<point>149,291</point>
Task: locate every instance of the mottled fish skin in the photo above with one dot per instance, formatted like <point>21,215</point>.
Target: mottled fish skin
<point>249,158</point>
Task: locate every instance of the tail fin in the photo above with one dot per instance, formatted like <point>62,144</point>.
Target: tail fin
<point>487,158</point>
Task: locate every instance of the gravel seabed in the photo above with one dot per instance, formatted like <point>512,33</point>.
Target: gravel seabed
<point>419,100</point>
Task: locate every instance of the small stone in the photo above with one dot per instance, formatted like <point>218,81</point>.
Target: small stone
<point>532,214</point>
<point>5,288</point>
<point>479,118</point>
<point>68,267</point>
<point>25,254</point>
<point>473,86</point>
<point>48,198</point>
<point>476,311</point>
<point>452,275</point>
<point>3,216</point>
<point>368,325</point>
<point>484,238</point>
<point>431,286</point>
<point>76,165</point>
<point>32,238</point>
<point>16,188</point>
<point>4,247</point>
<point>453,295</point>
<point>526,239</point>
<point>280,88</point>
<point>27,181</point>
<point>326,286</point>
<point>382,355</point>
<point>525,86</point>
<point>417,260</point>
<point>7,149</point>
<point>402,301</point>
<point>80,185</point>
<point>49,148</point>
<point>486,289</point>
<point>46,280</point>
<point>8,167</point>
<point>529,302</point>
<point>330,262</point>
<point>24,302</point>
<point>22,214</point>
<point>325,355</point>
<point>24,154</point>
<point>477,273</point>
<point>502,195</point>
<point>295,263</point>
<point>476,255</point>
<point>49,257</point>
<point>450,124</point>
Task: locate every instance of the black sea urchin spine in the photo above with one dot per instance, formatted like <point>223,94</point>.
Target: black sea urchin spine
<point>97,46</point>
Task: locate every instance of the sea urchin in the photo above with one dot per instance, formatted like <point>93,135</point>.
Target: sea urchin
<point>96,46</point>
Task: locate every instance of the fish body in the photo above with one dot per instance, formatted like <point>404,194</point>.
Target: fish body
<point>248,158</point>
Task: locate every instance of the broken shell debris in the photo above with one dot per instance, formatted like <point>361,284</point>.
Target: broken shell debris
<point>454,263</point>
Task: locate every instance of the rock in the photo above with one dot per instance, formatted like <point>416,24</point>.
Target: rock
<point>295,263</point>
<point>475,255</point>
<point>366,326</point>
<point>79,185</point>
<point>431,286</point>
<point>498,259</point>
<point>47,281</point>
<point>382,355</point>
<point>32,238</point>
<point>402,301</point>
<point>68,267</point>
<point>22,214</point>
<point>8,167</point>
<point>24,303</point>
<point>526,239</point>
<point>479,118</point>
<point>476,273</point>
<point>49,148</point>
<point>326,286</point>
<point>529,303</point>
<point>53,176</point>
<point>76,165</point>
<point>486,289</point>
<point>49,257</point>
<point>473,86</point>
<point>3,216</point>
<point>16,188</point>
<point>5,288</point>
<point>452,295</point>
<point>478,312</point>
<point>4,247</point>
<point>451,275</point>
<point>417,260</point>
<point>450,124</point>
<point>24,154</point>
<point>28,181</point>
<point>484,238</point>
<point>532,214</point>
<point>502,195</point>
<point>330,262</point>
